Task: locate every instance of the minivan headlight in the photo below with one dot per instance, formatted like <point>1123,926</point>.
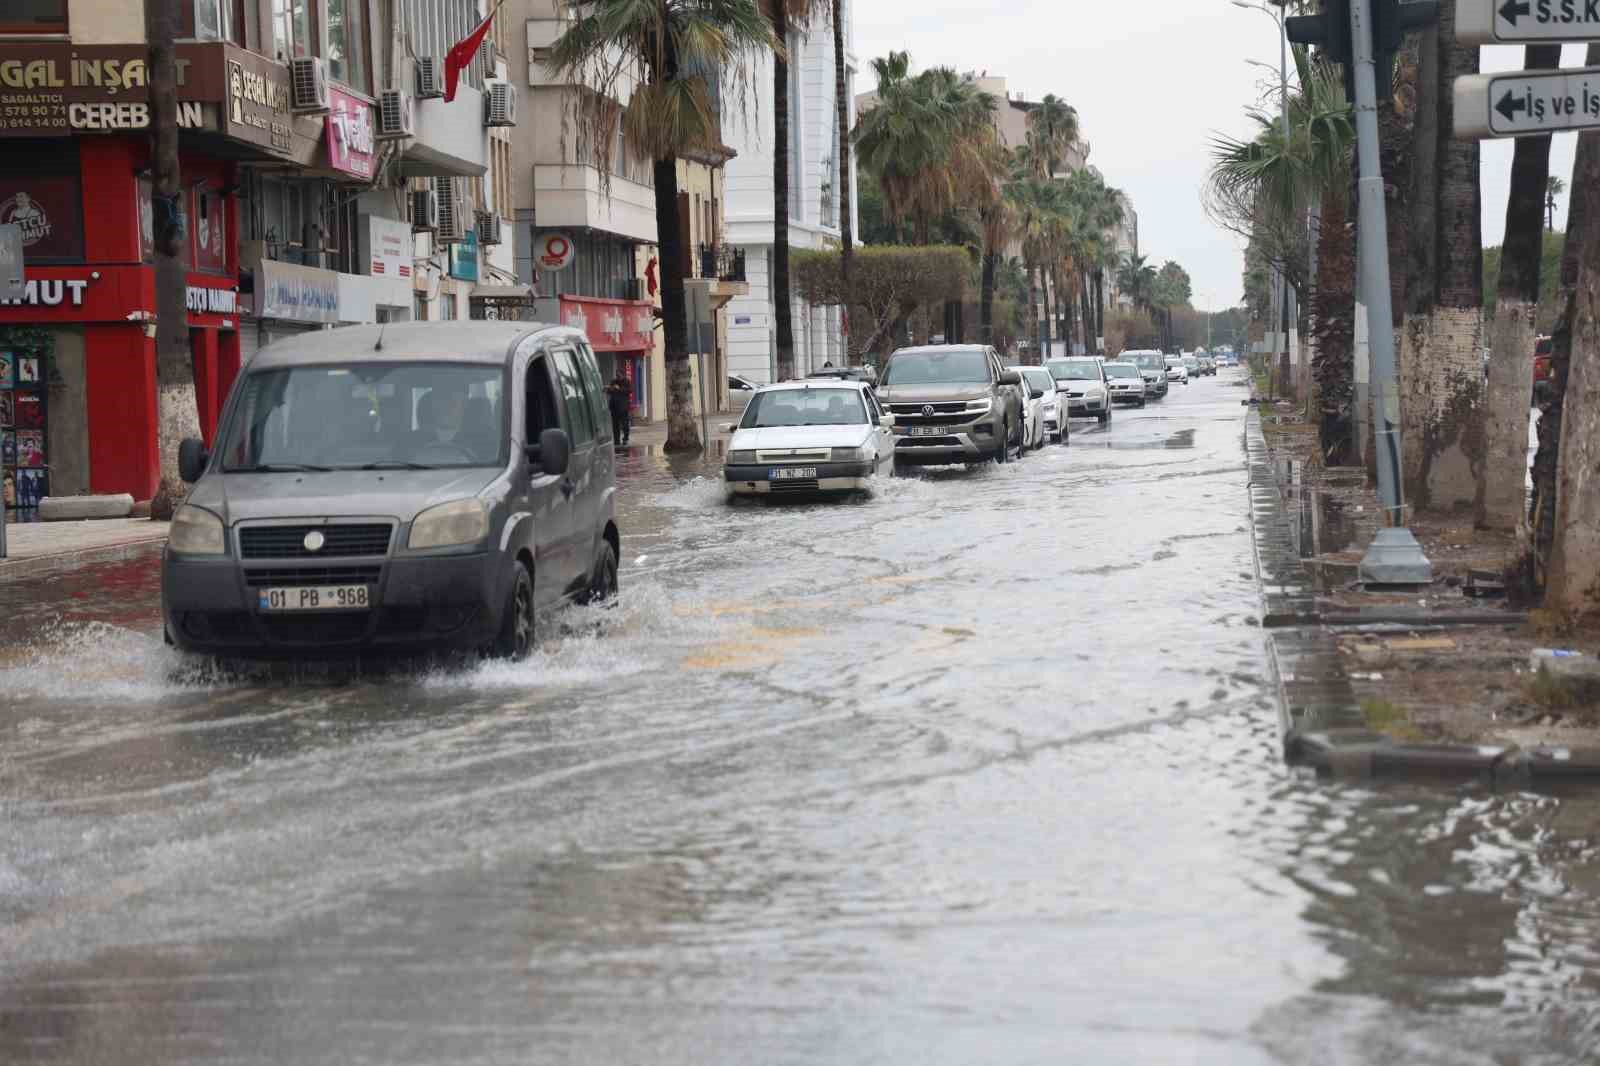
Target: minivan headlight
<point>196,531</point>
<point>450,524</point>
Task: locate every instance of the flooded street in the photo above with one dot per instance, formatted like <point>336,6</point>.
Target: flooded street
<point>986,769</point>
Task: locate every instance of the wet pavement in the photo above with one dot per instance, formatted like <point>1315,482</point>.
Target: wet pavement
<point>986,769</point>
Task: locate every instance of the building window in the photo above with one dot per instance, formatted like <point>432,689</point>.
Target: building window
<point>347,41</point>
<point>291,29</point>
<point>447,307</point>
<point>419,310</point>
<point>33,16</point>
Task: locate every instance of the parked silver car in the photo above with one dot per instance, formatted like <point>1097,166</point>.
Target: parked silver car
<point>410,486</point>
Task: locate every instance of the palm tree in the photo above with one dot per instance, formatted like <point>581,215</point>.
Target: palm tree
<point>1282,178</point>
<point>785,15</point>
<point>841,100</point>
<point>1052,131</point>
<point>1502,477</point>
<point>1137,278</point>
<point>668,49</point>
<point>1554,187</point>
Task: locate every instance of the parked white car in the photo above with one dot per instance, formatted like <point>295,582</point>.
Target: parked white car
<point>1082,381</point>
<point>1177,370</point>
<point>1127,383</point>
<point>808,437</point>
<point>1044,409</point>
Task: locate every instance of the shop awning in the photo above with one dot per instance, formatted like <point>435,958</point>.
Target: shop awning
<point>502,292</point>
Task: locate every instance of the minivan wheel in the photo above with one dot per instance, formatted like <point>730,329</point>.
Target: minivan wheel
<point>516,629</point>
<point>603,581</point>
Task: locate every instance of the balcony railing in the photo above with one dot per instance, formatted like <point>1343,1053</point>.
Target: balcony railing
<point>719,262</point>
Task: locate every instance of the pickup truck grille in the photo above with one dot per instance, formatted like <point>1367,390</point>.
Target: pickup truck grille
<point>955,407</point>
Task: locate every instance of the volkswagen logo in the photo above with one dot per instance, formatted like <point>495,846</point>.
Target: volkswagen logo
<point>927,410</point>
<point>314,541</point>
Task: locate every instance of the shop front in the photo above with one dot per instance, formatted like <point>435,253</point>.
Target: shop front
<point>622,333</point>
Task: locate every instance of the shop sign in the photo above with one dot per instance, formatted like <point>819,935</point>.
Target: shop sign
<point>257,105</point>
<point>52,292</point>
<point>11,283</point>
<point>297,293</point>
<point>556,252</point>
<point>59,89</point>
<point>208,301</point>
<point>610,325</point>
<point>391,247</point>
<point>352,148</point>
<point>464,257</point>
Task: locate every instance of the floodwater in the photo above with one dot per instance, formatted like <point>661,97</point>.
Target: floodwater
<point>986,769</point>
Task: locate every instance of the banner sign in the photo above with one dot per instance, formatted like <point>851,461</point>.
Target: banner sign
<point>391,247</point>
<point>297,293</point>
<point>352,148</point>
<point>611,325</point>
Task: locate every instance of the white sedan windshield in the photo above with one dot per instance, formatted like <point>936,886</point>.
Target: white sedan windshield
<point>805,407</point>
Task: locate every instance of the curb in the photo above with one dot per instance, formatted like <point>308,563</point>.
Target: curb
<point>1323,725</point>
<point>39,564</point>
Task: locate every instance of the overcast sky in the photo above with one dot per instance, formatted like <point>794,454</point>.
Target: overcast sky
<point>1152,80</point>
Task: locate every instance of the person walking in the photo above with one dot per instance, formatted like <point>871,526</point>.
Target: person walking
<point>619,396</point>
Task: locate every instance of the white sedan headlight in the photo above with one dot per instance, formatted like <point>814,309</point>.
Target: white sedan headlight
<point>196,531</point>
<point>743,457</point>
<point>849,455</point>
<point>450,524</point>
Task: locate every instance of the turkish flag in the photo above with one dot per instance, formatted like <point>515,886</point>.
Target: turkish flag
<point>461,53</point>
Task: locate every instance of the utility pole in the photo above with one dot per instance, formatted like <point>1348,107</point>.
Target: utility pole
<point>1394,557</point>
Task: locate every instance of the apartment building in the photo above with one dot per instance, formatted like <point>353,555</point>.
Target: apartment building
<point>324,181</point>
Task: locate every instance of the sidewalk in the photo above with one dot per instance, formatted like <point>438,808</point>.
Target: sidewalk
<point>1432,682</point>
<point>30,544</point>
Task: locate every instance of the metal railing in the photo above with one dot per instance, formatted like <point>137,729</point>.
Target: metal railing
<point>719,262</point>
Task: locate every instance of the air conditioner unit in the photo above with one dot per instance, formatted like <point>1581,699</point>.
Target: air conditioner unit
<point>424,210</point>
<point>308,83</point>
<point>395,119</point>
<point>500,104</point>
<point>488,227</point>
<point>449,210</point>
<point>430,78</point>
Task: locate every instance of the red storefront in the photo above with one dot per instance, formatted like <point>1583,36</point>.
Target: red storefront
<point>622,333</point>
<point>75,174</point>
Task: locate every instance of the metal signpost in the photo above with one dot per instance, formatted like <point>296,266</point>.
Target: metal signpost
<point>1527,21</point>
<point>1527,104</point>
<point>12,287</point>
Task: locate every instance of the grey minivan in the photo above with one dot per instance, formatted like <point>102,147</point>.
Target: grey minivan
<point>402,487</point>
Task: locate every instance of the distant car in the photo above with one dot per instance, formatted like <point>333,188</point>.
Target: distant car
<point>1127,383</point>
<point>1152,367</point>
<point>741,384</point>
<point>1177,370</point>
<point>1083,379</point>
<point>1208,365</point>
<point>1192,364</point>
<point>1543,369</point>
<point>1044,419</point>
<point>808,438</point>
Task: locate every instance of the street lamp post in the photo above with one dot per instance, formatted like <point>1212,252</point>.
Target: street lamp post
<point>1282,315</point>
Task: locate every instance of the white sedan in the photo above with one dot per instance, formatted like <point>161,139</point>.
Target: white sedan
<point>1046,409</point>
<point>810,437</point>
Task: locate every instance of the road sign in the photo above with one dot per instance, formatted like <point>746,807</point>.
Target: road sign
<point>1527,21</point>
<point>1521,104</point>
<point>11,281</point>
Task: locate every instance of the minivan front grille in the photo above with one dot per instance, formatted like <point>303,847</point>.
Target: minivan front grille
<point>304,576</point>
<point>289,542</point>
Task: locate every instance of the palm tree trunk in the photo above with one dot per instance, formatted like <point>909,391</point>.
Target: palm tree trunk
<point>1333,365</point>
<point>1044,283</point>
<point>1099,303</point>
<point>1033,309</point>
<point>1514,331</point>
<point>1442,388</point>
<point>1084,303</point>
<point>782,300</point>
<point>846,237</point>
<point>683,430</point>
<point>986,296</point>
<point>177,413</point>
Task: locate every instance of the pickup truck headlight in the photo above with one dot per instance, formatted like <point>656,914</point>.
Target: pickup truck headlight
<point>450,524</point>
<point>742,458</point>
<point>978,407</point>
<point>849,455</point>
<point>196,531</point>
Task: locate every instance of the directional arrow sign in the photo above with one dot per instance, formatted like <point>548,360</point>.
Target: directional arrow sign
<point>1527,21</point>
<point>1527,105</point>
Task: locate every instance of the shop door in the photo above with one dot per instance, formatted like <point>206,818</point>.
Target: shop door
<point>24,477</point>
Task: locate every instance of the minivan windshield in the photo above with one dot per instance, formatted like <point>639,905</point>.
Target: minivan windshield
<point>805,407</point>
<point>966,366</point>
<point>359,416</point>
<point>1074,370</point>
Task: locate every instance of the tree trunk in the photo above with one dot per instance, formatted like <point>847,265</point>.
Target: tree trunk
<point>1573,588</point>
<point>1099,303</point>
<point>986,297</point>
<point>1333,364</point>
<point>1085,295</point>
<point>1044,346</point>
<point>1033,310</point>
<point>1442,387</point>
<point>846,237</point>
<point>1514,330</point>
<point>782,300</point>
<point>177,413</point>
<point>683,430</point>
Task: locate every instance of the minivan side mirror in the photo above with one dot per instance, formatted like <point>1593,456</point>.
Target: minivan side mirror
<point>192,459</point>
<point>555,452</point>
<point>1010,377</point>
